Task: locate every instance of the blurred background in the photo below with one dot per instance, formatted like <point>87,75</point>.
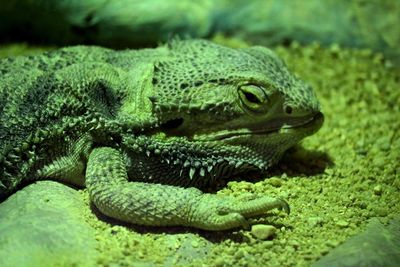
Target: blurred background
<point>370,24</point>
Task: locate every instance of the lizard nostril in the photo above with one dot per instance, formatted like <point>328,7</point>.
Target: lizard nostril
<point>288,109</point>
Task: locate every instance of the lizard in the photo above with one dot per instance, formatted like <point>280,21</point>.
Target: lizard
<point>146,131</point>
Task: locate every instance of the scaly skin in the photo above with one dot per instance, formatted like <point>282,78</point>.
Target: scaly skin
<point>146,130</point>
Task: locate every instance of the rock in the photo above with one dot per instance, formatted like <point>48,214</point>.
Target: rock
<point>315,221</point>
<point>43,225</point>
<point>262,231</point>
<point>342,223</point>
<point>378,190</point>
<point>377,246</point>
<point>275,182</point>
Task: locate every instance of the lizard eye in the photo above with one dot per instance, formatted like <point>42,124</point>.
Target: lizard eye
<point>252,96</point>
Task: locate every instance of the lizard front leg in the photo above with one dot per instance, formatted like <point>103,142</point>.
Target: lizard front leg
<point>162,205</point>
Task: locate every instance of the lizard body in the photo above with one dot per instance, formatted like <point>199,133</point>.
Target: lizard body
<point>146,130</point>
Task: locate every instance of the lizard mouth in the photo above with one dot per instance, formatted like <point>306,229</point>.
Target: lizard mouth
<point>305,125</point>
<point>314,122</point>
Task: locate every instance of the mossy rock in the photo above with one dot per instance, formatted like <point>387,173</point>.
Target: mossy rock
<point>43,225</point>
<point>378,245</point>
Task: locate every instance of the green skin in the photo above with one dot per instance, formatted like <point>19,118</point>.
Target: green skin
<point>146,130</point>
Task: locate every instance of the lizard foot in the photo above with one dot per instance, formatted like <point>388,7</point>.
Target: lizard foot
<point>213,212</point>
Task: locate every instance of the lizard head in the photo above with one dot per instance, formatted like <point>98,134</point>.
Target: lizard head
<point>240,107</point>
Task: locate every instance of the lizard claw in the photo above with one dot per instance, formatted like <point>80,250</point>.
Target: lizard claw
<point>284,205</point>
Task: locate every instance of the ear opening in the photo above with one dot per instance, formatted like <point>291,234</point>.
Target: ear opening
<point>172,124</point>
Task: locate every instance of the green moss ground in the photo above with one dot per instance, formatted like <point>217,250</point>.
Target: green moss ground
<point>335,182</point>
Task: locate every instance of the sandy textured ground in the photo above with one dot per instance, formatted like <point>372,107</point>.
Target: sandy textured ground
<point>334,182</point>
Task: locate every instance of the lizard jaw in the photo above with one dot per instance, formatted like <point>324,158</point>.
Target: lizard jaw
<point>310,125</point>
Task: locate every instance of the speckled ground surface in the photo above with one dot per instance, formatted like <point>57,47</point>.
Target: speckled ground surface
<point>335,182</point>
